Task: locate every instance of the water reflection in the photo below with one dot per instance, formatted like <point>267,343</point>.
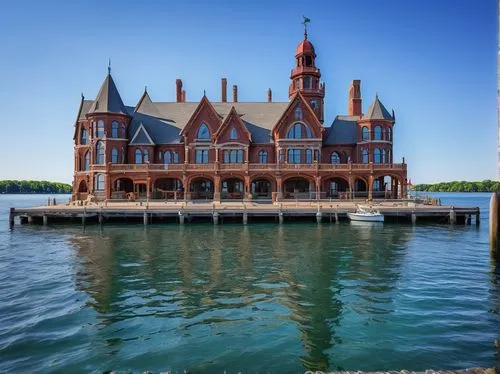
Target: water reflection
<point>286,288</point>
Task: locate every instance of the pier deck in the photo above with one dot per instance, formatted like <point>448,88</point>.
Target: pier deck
<point>181,212</point>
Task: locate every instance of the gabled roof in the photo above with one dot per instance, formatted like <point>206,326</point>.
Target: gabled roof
<point>146,105</point>
<point>342,131</point>
<point>141,136</point>
<point>108,99</point>
<point>204,102</point>
<point>377,111</point>
<point>291,105</point>
<point>225,123</point>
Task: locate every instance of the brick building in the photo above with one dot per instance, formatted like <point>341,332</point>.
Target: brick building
<point>236,150</point>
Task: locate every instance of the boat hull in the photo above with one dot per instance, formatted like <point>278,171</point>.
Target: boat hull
<point>366,217</point>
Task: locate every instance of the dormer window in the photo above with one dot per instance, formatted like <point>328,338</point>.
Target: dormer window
<point>203,132</point>
<point>298,113</point>
<point>234,134</point>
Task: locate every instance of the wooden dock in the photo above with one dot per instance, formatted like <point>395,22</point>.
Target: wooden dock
<point>182,212</point>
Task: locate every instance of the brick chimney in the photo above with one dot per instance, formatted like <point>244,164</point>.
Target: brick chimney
<point>178,90</point>
<point>354,104</point>
<point>223,87</point>
<point>269,96</point>
<point>235,93</point>
<point>183,96</point>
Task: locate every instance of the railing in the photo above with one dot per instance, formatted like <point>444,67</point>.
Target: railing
<point>233,166</point>
<point>297,166</point>
<point>333,166</point>
<point>200,166</point>
<point>166,166</point>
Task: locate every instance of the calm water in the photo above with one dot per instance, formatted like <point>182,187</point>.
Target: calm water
<point>260,298</point>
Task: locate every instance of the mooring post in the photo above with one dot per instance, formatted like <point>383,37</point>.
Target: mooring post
<point>83,216</point>
<point>30,219</point>
<point>11,218</point>
<point>478,218</point>
<point>181,218</point>
<point>336,217</point>
<point>494,212</point>
<point>45,220</point>
<point>215,216</point>
<point>413,218</point>
<point>319,216</point>
<point>100,216</point>
<point>453,216</point>
<point>280,217</point>
<point>145,217</point>
<point>245,218</point>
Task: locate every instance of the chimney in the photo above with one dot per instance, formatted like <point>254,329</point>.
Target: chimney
<point>235,93</point>
<point>178,91</point>
<point>183,96</point>
<point>223,87</point>
<point>269,96</point>
<point>354,104</point>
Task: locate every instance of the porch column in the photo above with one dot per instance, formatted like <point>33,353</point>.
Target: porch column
<point>148,188</point>
<point>279,188</point>
<point>216,154</point>
<point>370,187</point>
<point>403,189</point>
<point>217,188</point>
<point>318,188</point>
<point>248,193</point>
<point>351,186</point>
<point>186,154</point>
<point>246,155</point>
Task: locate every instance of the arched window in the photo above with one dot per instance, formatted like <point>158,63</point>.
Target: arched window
<point>146,156</point>
<point>334,158</point>
<point>262,157</point>
<point>377,156</point>
<point>99,153</point>
<point>376,185</point>
<point>234,134</point>
<point>175,157</point>
<point>383,159</point>
<point>114,129</point>
<point>203,132</point>
<point>365,133</point>
<point>167,158</point>
<point>377,133</point>
<point>298,131</point>
<point>84,137</point>
<point>138,156</point>
<point>99,182</point>
<point>308,156</point>
<point>114,156</point>
<point>86,161</point>
<point>389,156</point>
<point>124,131</point>
<point>389,134</point>
<point>364,156</point>
<point>100,128</point>
<point>298,113</point>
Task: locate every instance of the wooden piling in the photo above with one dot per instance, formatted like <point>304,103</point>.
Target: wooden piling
<point>337,218</point>
<point>181,218</point>
<point>83,216</point>
<point>245,218</point>
<point>45,220</point>
<point>413,219</point>
<point>319,217</point>
<point>11,218</point>
<point>215,216</point>
<point>280,217</point>
<point>145,218</point>
<point>494,215</point>
<point>453,216</point>
<point>30,219</point>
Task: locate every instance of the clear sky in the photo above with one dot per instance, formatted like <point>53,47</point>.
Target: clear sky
<point>432,61</point>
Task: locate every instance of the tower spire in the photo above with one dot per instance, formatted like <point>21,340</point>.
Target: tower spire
<point>109,66</point>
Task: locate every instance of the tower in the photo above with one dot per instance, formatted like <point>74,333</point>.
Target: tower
<point>305,77</point>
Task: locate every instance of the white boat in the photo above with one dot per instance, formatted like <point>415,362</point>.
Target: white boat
<point>366,214</point>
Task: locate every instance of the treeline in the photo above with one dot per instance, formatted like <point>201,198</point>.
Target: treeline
<point>460,186</point>
<point>24,186</point>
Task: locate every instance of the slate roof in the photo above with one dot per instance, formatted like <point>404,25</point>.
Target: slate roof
<point>378,111</point>
<point>141,136</point>
<point>108,99</point>
<point>342,130</point>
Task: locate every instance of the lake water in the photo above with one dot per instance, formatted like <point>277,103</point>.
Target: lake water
<point>257,298</point>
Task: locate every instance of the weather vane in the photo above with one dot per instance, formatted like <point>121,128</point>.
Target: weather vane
<point>305,22</point>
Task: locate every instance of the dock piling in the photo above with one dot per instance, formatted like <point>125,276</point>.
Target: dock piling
<point>453,216</point>
<point>494,213</point>
<point>280,217</point>
<point>245,218</point>
<point>30,219</point>
<point>215,216</point>
<point>11,218</point>
<point>45,220</point>
<point>181,218</point>
<point>413,219</point>
<point>145,218</point>
<point>337,218</point>
<point>319,217</point>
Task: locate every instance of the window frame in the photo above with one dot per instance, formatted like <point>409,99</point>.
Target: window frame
<point>203,127</point>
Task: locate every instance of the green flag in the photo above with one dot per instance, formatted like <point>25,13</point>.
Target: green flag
<point>306,20</point>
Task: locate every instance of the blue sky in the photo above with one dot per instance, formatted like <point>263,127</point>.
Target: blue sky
<point>433,62</point>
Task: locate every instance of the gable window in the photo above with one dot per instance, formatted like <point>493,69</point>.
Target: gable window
<point>308,156</point>
<point>298,131</point>
<point>138,156</point>
<point>86,161</point>
<point>262,157</point>
<point>377,133</point>
<point>365,133</point>
<point>377,156</point>
<point>84,137</point>
<point>334,158</point>
<point>298,113</point>
<point>364,156</point>
<point>99,182</point>
<point>294,156</point>
<point>114,156</point>
<point>100,128</point>
<point>100,153</point>
<point>201,156</point>
<point>203,132</point>
<point>234,134</point>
